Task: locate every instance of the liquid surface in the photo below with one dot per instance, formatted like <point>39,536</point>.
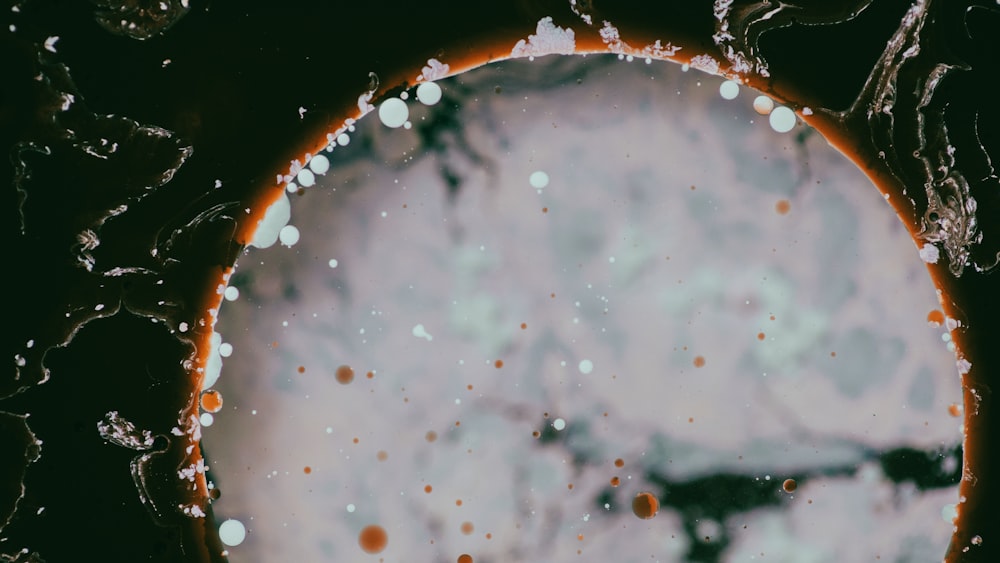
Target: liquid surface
<point>622,326</point>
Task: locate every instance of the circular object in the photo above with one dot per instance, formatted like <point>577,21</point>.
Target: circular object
<point>538,179</point>
<point>344,375</point>
<point>782,119</point>
<point>729,90</point>
<point>373,539</point>
<point>232,532</point>
<point>393,113</point>
<point>645,505</point>
<point>429,93</point>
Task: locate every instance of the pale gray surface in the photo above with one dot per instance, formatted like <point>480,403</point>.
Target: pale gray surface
<point>696,272</point>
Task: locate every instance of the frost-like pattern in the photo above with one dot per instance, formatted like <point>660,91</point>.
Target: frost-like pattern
<point>929,253</point>
<point>913,74</point>
<point>612,38</point>
<point>578,10</point>
<point>433,70</point>
<point>738,49</point>
<point>705,63</point>
<point>549,39</point>
<point>659,50</point>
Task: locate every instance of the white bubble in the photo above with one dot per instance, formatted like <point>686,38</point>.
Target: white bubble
<point>232,532</point>
<point>231,293</point>
<point>538,179</point>
<point>393,112</point>
<point>343,139</point>
<point>350,508</point>
<point>729,90</point>
<point>782,119</point>
<point>289,235</point>
<point>586,366</point>
<point>206,419</point>
<point>333,262</point>
<point>225,349</point>
<point>763,105</point>
<point>306,178</point>
<point>420,332</point>
<point>559,424</point>
<point>429,93</point>
<point>319,164</point>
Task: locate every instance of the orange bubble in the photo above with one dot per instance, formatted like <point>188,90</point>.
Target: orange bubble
<point>498,364</point>
<point>645,505</point>
<point>524,326</point>
<point>431,436</point>
<point>783,206</point>
<point>619,462</point>
<point>458,502</point>
<point>467,527</point>
<point>428,489</point>
<point>307,470</point>
<point>699,361</point>
<point>615,481</point>
<point>545,210</point>
<point>370,375</point>
<point>382,455</point>
<point>760,336</point>
<point>373,539</point>
<point>954,410</point>
<point>465,558</point>
<point>345,375</point>
<point>211,401</point>
<point>789,485</point>
<point>302,369</point>
<point>935,318</point>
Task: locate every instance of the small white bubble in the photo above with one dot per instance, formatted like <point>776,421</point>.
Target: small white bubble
<point>538,179</point>
<point>183,327</point>
<point>350,508</point>
<point>231,293</point>
<point>319,164</point>
<point>225,349</point>
<point>420,332</point>
<point>393,112</point>
<point>429,93</point>
<point>559,424</point>
<point>729,90</point>
<point>288,235</point>
<point>333,262</point>
<point>206,419</point>
<point>306,178</point>
<point>763,105</point>
<point>232,532</point>
<point>343,139</point>
<point>782,119</point>
<point>586,366</point>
